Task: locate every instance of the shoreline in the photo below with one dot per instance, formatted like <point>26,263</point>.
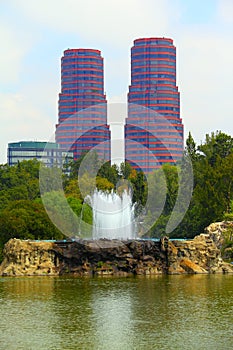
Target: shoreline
<point>200,255</point>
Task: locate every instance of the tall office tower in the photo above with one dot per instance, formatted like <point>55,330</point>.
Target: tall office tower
<point>82,123</point>
<point>154,129</point>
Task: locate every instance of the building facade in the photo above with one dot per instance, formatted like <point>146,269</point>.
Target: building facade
<point>48,153</point>
<point>82,111</point>
<point>154,129</point>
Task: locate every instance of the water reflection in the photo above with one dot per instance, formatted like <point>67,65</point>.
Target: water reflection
<point>27,287</point>
<point>160,312</point>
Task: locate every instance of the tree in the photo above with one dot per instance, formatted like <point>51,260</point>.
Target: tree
<point>88,162</point>
<point>103,184</point>
<point>216,145</point>
<point>25,219</point>
<point>125,170</point>
<point>191,147</point>
<point>111,173</point>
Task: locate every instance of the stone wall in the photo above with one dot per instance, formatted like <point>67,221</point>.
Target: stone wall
<point>112,257</point>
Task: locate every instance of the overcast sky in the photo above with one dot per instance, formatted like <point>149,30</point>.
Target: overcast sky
<point>34,34</point>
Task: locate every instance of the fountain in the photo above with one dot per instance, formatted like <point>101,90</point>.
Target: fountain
<point>113,215</point>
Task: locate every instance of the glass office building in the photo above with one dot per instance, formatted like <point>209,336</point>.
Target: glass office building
<point>82,123</point>
<point>48,153</point>
<point>154,129</point>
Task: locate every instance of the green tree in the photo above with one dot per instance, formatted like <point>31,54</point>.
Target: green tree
<point>125,170</point>
<point>104,184</point>
<point>191,147</point>
<point>25,219</point>
<point>111,173</point>
<point>216,145</point>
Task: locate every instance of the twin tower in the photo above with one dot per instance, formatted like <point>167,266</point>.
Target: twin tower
<point>153,131</point>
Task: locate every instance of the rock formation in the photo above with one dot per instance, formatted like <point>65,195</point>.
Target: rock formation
<point>113,257</point>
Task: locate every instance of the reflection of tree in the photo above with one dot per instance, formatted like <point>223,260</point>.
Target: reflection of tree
<point>72,305</point>
<point>172,312</point>
<point>30,288</point>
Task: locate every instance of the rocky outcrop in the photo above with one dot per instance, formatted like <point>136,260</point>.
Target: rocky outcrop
<point>113,257</point>
<point>222,234</point>
<point>29,258</point>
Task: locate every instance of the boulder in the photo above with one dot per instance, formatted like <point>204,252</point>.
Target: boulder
<point>114,257</point>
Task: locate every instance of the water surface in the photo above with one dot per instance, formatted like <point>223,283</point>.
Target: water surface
<point>161,312</point>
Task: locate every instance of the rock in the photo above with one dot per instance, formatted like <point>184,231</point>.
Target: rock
<point>216,231</point>
<point>113,257</point>
<point>28,258</point>
<point>191,267</point>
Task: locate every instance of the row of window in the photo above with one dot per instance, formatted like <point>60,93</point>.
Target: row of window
<point>138,126</point>
<point>84,78</point>
<point>44,153</point>
<point>153,162</point>
<point>86,128</point>
<point>82,57</point>
<point>154,106</point>
<point>150,76</point>
<point>148,56</point>
<point>79,90</point>
<point>73,120</point>
<point>91,139</point>
<point>149,61</point>
<point>77,107</point>
<point>137,111</point>
<point>148,49</point>
<point>88,75</point>
<point>152,101</point>
<point>154,69</point>
<point>137,148</point>
<point>138,158</point>
<point>164,139</point>
<point>142,42</point>
<point>152,133</point>
<point>81,53</point>
<point>81,99</point>
<point>153,81</point>
<point>152,124</point>
<point>77,72</point>
<point>153,94</point>
<point>165,149</point>
<point>15,160</point>
<point>85,64</point>
<point>150,87</point>
<point>94,108</point>
<point>67,64</point>
<point>81,72</point>
<point>76,85</point>
<point>28,153</point>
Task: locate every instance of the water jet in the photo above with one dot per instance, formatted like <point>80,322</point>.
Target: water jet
<point>113,215</point>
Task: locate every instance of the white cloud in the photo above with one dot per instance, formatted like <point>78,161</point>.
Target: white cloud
<point>204,69</point>
<point>28,109</point>
<point>115,22</point>
<point>225,9</point>
<point>12,53</point>
<point>24,116</point>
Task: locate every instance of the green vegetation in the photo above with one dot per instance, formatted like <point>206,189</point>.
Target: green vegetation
<point>22,214</point>
<point>212,195</point>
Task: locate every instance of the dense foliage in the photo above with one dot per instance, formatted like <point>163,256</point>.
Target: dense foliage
<point>22,214</point>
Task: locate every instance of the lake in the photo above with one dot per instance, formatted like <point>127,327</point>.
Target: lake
<point>160,312</point>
